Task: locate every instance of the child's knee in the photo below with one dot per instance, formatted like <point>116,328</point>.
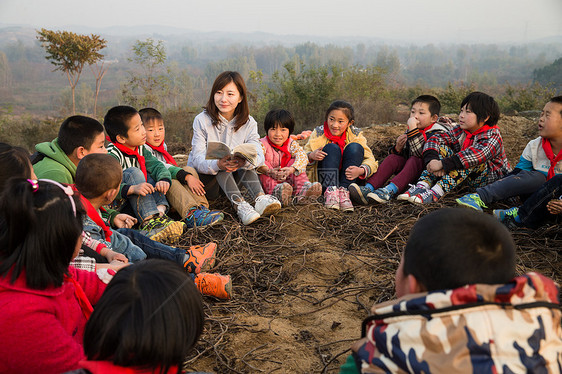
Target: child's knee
<point>354,150</point>
<point>191,171</point>
<point>133,176</point>
<point>332,148</point>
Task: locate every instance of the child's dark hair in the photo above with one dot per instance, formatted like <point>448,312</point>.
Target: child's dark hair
<point>150,114</point>
<point>483,106</point>
<point>344,106</point>
<point>453,247</point>
<point>431,101</point>
<point>242,112</point>
<point>557,100</point>
<point>15,163</point>
<point>97,173</point>
<point>150,316</point>
<point>39,231</point>
<point>115,121</point>
<point>280,117</point>
<point>78,131</point>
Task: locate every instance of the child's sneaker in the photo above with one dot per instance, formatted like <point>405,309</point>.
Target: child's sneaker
<point>380,195</point>
<point>309,193</point>
<point>199,216</point>
<point>508,216</point>
<point>163,229</point>
<point>424,197</point>
<point>358,193</point>
<point>267,205</point>
<point>283,192</point>
<point>412,191</point>
<point>472,200</point>
<point>219,286</point>
<point>345,201</point>
<point>201,258</point>
<point>246,212</point>
<point>332,198</point>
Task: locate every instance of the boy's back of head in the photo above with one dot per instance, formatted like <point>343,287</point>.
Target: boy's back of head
<point>96,174</point>
<point>453,247</point>
<point>150,114</point>
<point>116,121</point>
<point>431,101</point>
<point>78,131</point>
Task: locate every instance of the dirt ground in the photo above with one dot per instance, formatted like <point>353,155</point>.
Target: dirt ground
<point>304,280</point>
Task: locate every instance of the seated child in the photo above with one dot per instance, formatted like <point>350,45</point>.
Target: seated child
<point>120,339</point>
<point>472,151</point>
<point>97,192</point>
<point>338,154</point>
<point>145,179</point>
<point>186,193</point>
<point>227,119</point>
<point>405,158</point>
<point>537,164</point>
<point>57,160</point>
<point>460,308</point>
<point>45,303</point>
<point>283,174</point>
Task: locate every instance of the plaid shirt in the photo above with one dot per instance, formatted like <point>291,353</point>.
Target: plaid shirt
<point>416,140</point>
<point>487,147</point>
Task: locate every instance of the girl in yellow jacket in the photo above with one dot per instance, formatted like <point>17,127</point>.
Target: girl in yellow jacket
<point>338,155</point>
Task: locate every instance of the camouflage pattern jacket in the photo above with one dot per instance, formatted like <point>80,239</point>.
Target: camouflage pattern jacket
<point>511,328</point>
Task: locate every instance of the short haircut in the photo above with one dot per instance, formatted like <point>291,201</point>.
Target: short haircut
<point>344,106</point>
<point>242,112</point>
<point>483,106</point>
<point>116,119</point>
<point>557,100</point>
<point>97,173</point>
<point>280,117</point>
<point>150,114</point>
<point>453,247</point>
<point>38,232</point>
<point>15,163</point>
<point>431,101</point>
<point>78,131</point>
<point>150,315</point>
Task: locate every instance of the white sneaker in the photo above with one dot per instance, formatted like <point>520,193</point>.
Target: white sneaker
<point>246,212</point>
<point>267,205</point>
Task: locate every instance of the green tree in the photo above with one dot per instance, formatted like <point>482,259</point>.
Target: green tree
<point>69,52</point>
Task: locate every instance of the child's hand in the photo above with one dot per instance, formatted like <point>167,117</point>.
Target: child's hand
<point>114,256</point>
<point>195,185</point>
<point>412,123</point>
<point>400,142</point>
<point>317,155</point>
<point>435,167</point>
<point>354,172</point>
<point>117,265</point>
<point>162,186</point>
<point>286,171</point>
<point>123,220</point>
<point>554,206</point>
<point>142,189</point>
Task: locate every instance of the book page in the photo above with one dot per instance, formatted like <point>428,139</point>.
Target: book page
<point>217,150</point>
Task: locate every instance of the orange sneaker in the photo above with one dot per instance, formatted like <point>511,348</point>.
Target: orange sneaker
<point>219,286</point>
<point>201,258</point>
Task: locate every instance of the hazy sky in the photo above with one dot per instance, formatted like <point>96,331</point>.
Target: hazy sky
<point>407,20</point>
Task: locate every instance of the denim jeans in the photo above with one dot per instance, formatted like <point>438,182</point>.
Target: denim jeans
<point>143,207</point>
<point>519,182</point>
<point>153,249</point>
<point>331,170</point>
<point>534,212</point>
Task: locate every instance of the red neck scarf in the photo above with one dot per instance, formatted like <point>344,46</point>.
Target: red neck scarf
<point>284,148</point>
<point>423,131</point>
<point>547,148</point>
<point>131,152</point>
<point>339,140</point>
<point>470,135</point>
<point>93,214</point>
<point>107,367</point>
<point>85,304</point>
<point>168,157</point>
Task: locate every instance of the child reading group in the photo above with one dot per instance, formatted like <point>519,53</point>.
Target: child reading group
<point>88,234</point>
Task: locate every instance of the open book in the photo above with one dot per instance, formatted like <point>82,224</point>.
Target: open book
<point>218,150</point>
